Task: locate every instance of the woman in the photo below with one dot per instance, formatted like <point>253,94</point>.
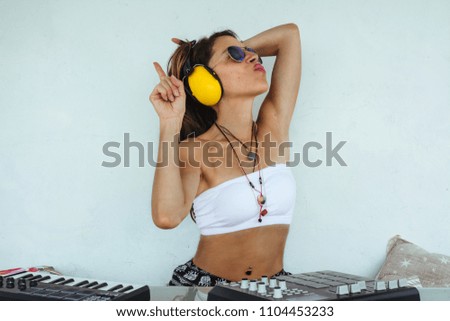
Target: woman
<point>228,171</point>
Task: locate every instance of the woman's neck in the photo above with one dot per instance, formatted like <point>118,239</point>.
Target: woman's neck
<point>237,117</point>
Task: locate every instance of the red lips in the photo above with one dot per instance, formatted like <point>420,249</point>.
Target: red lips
<point>259,67</point>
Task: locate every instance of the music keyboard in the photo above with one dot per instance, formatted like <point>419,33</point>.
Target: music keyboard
<point>44,286</point>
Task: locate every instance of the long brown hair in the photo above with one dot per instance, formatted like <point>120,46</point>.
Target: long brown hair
<point>198,118</point>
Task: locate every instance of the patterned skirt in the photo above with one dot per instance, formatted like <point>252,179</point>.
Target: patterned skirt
<point>189,274</point>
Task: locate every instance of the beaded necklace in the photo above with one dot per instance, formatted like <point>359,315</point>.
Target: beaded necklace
<point>261,199</point>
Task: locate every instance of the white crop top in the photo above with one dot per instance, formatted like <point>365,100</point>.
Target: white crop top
<point>232,205</point>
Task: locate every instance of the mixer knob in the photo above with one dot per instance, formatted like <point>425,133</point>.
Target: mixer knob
<point>33,283</point>
<point>262,288</point>
<point>277,293</point>
<point>342,289</point>
<point>244,284</point>
<point>265,279</point>
<point>392,284</point>
<point>272,283</point>
<point>379,286</point>
<point>402,283</point>
<point>253,286</point>
<point>282,285</point>
<point>354,288</point>
<point>362,285</point>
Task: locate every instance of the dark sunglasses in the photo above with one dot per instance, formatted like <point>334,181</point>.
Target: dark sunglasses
<point>238,53</point>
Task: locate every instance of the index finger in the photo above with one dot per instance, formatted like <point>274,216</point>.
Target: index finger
<point>177,41</point>
<point>159,70</point>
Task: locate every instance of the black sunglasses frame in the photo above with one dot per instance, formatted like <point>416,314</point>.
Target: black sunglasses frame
<point>241,52</point>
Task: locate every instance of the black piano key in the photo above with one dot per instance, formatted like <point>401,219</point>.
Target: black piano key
<point>18,273</point>
<point>101,285</point>
<point>90,284</point>
<point>67,281</point>
<point>116,287</point>
<point>26,276</point>
<point>125,289</point>
<point>82,283</point>
<point>43,278</point>
<point>35,277</point>
<point>56,280</point>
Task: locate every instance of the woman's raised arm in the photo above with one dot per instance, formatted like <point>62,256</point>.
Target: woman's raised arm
<point>175,183</point>
<point>284,43</point>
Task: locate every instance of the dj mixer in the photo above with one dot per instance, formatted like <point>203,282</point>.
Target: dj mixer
<point>314,286</point>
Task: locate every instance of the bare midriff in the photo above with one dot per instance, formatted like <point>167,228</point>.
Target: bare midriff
<point>250,253</point>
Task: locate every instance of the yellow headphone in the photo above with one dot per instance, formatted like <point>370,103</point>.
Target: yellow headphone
<point>201,82</point>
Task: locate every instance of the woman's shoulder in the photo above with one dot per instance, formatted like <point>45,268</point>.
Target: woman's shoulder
<point>195,149</point>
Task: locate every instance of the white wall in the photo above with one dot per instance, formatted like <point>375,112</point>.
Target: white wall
<point>76,75</point>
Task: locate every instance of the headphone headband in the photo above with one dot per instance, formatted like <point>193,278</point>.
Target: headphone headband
<point>187,65</point>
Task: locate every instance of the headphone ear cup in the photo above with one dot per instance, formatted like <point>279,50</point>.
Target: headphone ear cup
<point>204,85</point>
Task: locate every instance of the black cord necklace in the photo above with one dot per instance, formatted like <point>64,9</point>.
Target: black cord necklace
<point>261,199</point>
<point>251,155</point>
